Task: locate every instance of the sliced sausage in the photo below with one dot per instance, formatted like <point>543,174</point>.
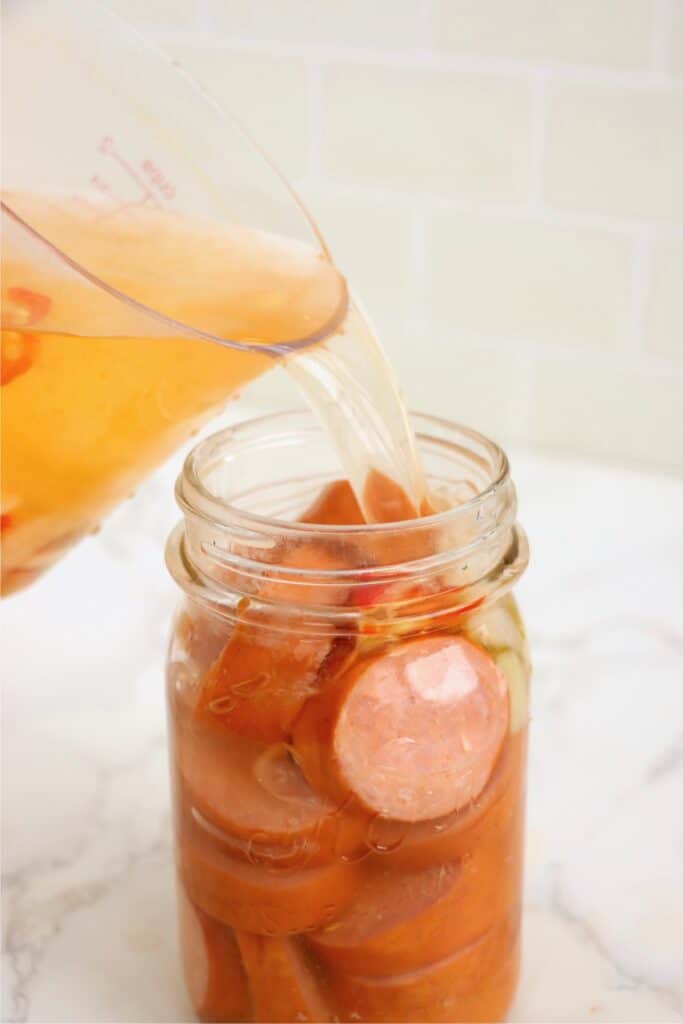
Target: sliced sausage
<point>336,505</point>
<point>263,676</point>
<point>423,843</point>
<point>212,965</point>
<point>403,920</point>
<point>413,733</point>
<point>397,921</point>
<point>255,800</point>
<point>281,981</point>
<point>318,585</point>
<point>384,500</point>
<point>475,984</point>
<point>199,636</point>
<point>255,899</point>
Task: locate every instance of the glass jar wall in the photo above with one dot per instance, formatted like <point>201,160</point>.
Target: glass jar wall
<point>348,712</point>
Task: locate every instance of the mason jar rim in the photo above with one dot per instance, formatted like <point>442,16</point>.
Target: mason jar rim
<point>224,554</point>
<point>195,498</point>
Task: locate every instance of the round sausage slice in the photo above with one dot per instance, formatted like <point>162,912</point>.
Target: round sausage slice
<point>336,505</point>
<point>413,733</point>
<point>263,676</point>
<point>255,899</point>
<point>423,843</point>
<point>212,965</point>
<point>398,921</point>
<point>254,799</point>
<point>475,984</point>
<point>281,982</point>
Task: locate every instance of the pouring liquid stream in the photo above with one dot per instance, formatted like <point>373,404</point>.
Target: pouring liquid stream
<point>350,384</point>
<point>103,380</point>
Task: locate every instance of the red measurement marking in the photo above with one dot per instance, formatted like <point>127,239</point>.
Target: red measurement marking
<point>159,179</point>
<point>107,146</point>
<point>5,521</point>
<point>102,186</point>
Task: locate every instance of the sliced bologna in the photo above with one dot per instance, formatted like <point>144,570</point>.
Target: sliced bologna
<point>397,921</point>
<point>263,676</point>
<point>212,965</point>
<point>423,843</point>
<point>199,638</point>
<point>255,800</point>
<point>413,733</point>
<point>309,578</point>
<point>255,899</point>
<point>281,981</point>
<point>400,921</point>
<point>476,984</point>
<point>385,501</point>
<point>336,505</point>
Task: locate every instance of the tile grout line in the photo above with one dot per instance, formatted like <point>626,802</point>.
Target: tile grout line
<point>563,354</point>
<point>427,59</point>
<point>431,202</point>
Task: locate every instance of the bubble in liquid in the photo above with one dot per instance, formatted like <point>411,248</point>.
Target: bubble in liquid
<point>246,687</point>
<point>384,835</point>
<point>222,705</point>
<point>263,853</point>
<point>357,856</point>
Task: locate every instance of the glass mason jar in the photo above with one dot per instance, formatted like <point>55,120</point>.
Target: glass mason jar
<point>348,712</point>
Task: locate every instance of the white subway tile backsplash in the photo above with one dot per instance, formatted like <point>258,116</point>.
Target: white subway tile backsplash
<point>451,133</point>
<point>524,279</point>
<point>245,85</point>
<point>664,321</point>
<point>616,150</point>
<point>627,412</point>
<point>371,244</point>
<point>501,181</point>
<point>444,375</point>
<point>677,38</point>
<point>345,22</point>
<point>575,31</point>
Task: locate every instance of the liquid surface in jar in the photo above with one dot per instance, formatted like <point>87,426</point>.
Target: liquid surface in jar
<point>96,391</point>
<point>364,850</point>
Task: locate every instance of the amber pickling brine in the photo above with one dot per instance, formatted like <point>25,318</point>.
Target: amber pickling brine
<point>348,709</point>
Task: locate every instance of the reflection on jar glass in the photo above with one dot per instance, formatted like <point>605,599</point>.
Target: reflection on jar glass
<point>348,711</point>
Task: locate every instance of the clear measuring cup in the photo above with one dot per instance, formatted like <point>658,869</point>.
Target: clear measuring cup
<point>140,226</point>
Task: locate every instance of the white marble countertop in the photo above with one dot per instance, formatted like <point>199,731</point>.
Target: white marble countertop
<point>88,891</point>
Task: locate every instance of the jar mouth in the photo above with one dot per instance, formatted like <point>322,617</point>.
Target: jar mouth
<point>227,549</point>
<point>195,497</point>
